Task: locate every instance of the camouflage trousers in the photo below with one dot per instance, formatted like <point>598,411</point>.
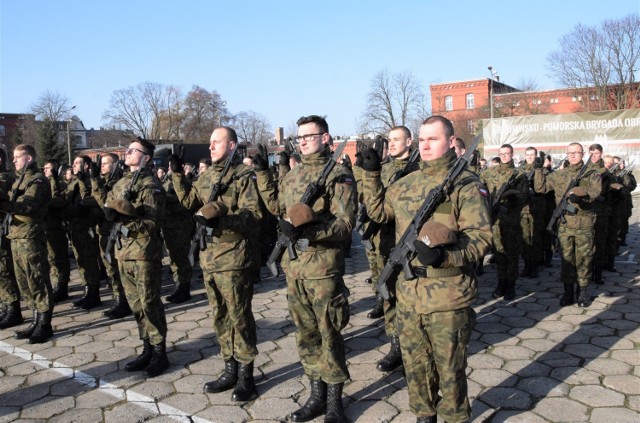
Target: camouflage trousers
<point>86,250</point>
<point>613,235</point>
<point>112,268</point>
<point>320,310</point>
<point>32,272</point>
<point>9,291</point>
<point>532,233</point>
<point>576,247</point>
<point>389,306</point>
<point>600,240</point>
<point>178,241</point>
<point>434,353</point>
<point>58,254</point>
<point>230,294</point>
<point>507,240</point>
<point>141,280</point>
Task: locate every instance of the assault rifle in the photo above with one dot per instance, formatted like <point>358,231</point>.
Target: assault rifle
<point>313,191</point>
<point>404,251</point>
<point>496,206</point>
<point>374,227</point>
<point>118,229</point>
<point>564,206</point>
<point>199,239</point>
<point>8,218</point>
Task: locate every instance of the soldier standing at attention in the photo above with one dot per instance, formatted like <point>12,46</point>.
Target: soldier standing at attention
<point>137,207</point>
<point>10,314</point>
<point>384,239</point>
<point>57,242</point>
<point>602,207</point>
<point>83,236</point>
<point>505,181</point>
<point>532,219</point>
<point>317,295</point>
<point>575,230</point>
<point>100,186</point>
<point>226,261</point>
<point>29,242</point>
<point>434,311</point>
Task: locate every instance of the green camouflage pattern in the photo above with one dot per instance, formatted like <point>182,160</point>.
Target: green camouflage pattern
<point>9,291</point>
<point>532,221</point>
<point>57,241</point>
<point>604,213</point>
<point>507,233</point>
<point>178,227</point>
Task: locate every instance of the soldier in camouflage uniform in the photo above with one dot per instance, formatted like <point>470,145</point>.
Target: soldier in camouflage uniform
<point>434,311</point>
<point>318,298</point>
<point>602,208</point>
<point>575,231</point>
<point>384,239</point>
<point>83,236</point>
<point>226,261</point>
<point>138,208</point>
<point>532,219</point>
<point>616,199</point>
<point>57,242</point>
<point>507,238</point>
<point>28,242</point>
<point>10,313</point>
<point>629,182</point>
<point>177,230</point>
<point>101,184</point>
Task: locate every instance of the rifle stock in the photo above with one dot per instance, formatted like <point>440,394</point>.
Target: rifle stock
<point>564,206</point>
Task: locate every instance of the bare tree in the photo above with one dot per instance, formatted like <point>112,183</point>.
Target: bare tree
<point>393,100</point>
<point>203,111</point>
<point>52,106</point>
<point>252,128</point>
<point>597,61</point>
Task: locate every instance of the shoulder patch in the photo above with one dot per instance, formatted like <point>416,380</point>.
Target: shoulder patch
<point>483,192</point>
<point>345,179</point>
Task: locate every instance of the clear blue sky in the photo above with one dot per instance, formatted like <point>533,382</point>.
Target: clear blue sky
<point>282,59</point>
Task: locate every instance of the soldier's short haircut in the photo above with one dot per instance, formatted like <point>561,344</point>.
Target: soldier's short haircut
<point>28,149</point>
<point>318,120</point>
<point>404,129</point>
<point>448,126</point>
<point>595,147</point>
<point>148,147</point>
<point>86,159</point>
<point>531,149</point>
<point>206,161</point>
<point>113,156</point>
<point>231,133</point>
<point>509,146</point>
<point>460,143</point>
<point>495,160</point>
<point>53,162</point>
<point>577,144</point>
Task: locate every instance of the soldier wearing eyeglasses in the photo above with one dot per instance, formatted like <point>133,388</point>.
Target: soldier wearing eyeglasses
<point>318,298</point>
<point>135,210</point>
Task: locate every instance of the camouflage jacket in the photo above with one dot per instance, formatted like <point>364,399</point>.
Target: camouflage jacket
<point>176,215</point>
<point>559,181</point>
<point>143,241</point>
<point>335,211</point>
<point>534,204</point>
<point>229,243</point>
<point>58,205</point>
<point>100,187</point>
<point>465,211</point>
<point>79,203</point>
<point>495,178</point>
<point>602,204</point>
<point>30,207</point>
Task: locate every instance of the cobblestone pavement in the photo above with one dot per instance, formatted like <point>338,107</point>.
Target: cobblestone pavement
<point>529,359</point>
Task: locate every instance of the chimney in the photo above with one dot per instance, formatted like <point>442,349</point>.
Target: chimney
<point>279,135</point>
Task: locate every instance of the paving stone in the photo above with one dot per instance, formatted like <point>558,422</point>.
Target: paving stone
<point>78,416</point>
<point>517,417</point>
<point>627,384</point>
<point>371,411</point>
<point>98,399</point>
<point>561,410</point>
<point>229,414</point>
<point>541,387</point>
<point>47,407</point>
<point>527,368</point>
<point>513,352</point>
<point>509,398</point>
<point>597,396</point>
<point>127,412</point>
<point>614,414</point>
<point>493,377</point>
<point>485,361</point>
<point>608,366</point>
<point>576,376</point>
<point>627,356</point>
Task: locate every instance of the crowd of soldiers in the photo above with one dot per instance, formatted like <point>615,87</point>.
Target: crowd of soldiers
<point>229,214</point>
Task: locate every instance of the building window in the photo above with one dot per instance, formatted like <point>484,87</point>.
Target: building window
<point>448,102</point>
<point>2,131</point>
<point>471,127</point>
<point>554,101</point>
<point>470,102</point>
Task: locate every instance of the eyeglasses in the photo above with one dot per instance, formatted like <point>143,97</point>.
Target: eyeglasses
<point>574,153</point>
<point>130,150</point>
<point>308,137</point>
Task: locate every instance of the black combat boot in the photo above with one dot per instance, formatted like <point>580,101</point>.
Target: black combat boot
<point>246,387</point>
<point>43,330</point>
<point>315,405</point>
<point>597,275</point>
<point>12,316</point>
<point>581,294</point>
<point>393,359</point>
<point>61,291</point>
<point>180,294</point>
<point>92,298</point>
<point>509,290</point>
<point>610,266</point>
<point>499,291</point>
<point>527,269</point>
<point>533,271</point>
<point>81,300</point>
<point>567,297</point>
<point>26,333</point>
<point>335,413</point>
<point>226,381</point>
<point>548,257</point>
<point>143,360</point>
<point>159,360</point>
<point>120,307</point>
<point>480,267</point>
<point>378,309</point>
<point>430,419</point>
<point>3,310</point>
